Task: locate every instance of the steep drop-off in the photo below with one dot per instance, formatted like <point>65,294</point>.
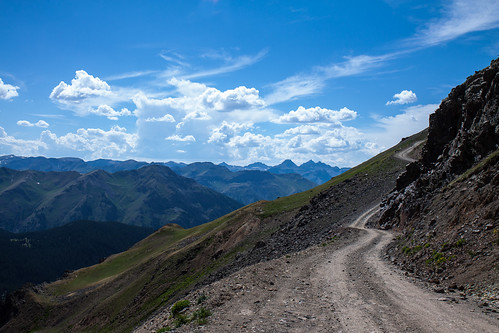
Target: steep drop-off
<point>127,288</point>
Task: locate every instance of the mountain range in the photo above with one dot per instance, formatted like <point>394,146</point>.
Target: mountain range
<point>151,196</point>
<point>41,163</point>
<point>318,172</point>
<point>246,186</point>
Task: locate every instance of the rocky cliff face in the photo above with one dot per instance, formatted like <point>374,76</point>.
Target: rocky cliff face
<point>462,132</point>
<point>446,204</point>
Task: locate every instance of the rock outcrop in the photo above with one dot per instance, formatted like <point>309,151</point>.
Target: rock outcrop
<point>446,204</point>
<point>462,132</point>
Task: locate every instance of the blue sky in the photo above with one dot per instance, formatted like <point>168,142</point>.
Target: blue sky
<point>233,81</point>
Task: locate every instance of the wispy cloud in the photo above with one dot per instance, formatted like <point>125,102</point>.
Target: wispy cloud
<point>354,65</point>
<point>387,130</point>
<point>295,86</point>
<point>130,75</point>
<point>459,17</point>
<point>233,65</point>
<point>311,83</point>
<point>174,57</point>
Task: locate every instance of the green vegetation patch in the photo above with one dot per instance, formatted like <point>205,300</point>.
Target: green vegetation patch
<point>179,306</point>
<point>157,243</point>
<point>201,315</point>
<point>411,250</point>
<point>180,318</point>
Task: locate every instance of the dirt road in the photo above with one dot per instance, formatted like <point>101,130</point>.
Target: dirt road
<point>343,285</point>
<point>404,154</point>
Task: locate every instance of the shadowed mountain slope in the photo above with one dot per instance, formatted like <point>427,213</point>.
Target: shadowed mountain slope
<point>151,196</point>
<point>41,256</point>
<point>40,163</point>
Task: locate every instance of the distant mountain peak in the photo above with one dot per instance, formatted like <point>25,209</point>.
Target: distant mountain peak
<point>288,163</point>
<point>310,162</point>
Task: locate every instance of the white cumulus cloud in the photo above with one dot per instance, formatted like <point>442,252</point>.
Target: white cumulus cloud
<point>227,130</point>
<point>207,98</point>
<point>249,139</point>
<point>404,97</point>
<point>39,123</point>
<point>301,130</point>
<point>82,87</point>
<point>95,142</point>
<point>7,91</point>
<point>109,112</point>
<point>317,115</point>
<point>187,138</point>
<point>167,118</point>
<point>12,145</point>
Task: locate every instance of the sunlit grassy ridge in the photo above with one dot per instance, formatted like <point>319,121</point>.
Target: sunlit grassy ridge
<point>160,242</point>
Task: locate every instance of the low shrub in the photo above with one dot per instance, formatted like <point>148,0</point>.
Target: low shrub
<point>201,299</point>
<point>201,315</point>
<point>179,306</point>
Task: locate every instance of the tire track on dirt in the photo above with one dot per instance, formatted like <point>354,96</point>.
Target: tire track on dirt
<point>370,297</point>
